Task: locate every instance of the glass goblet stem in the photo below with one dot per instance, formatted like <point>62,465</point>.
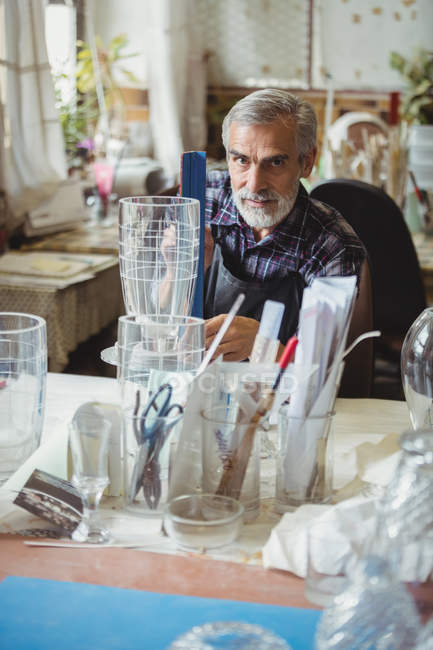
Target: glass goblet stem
<point>91,528</point>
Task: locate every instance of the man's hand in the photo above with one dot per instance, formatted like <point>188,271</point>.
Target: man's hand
<point>237,342</point>
<point>208,247</point>
<point>168,249</point>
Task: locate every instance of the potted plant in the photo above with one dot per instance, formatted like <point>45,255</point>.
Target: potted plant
<point>109,66</point>
<point>417,110</point>
<point>79,115</point>
<point>417,100</point>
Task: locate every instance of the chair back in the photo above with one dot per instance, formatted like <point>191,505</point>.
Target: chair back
<point>398,289</point>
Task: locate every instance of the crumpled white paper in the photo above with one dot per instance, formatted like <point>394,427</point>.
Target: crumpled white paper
<point>349,525</point>
<point>287,546</point>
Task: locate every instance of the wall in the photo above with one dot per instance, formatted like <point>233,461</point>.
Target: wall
<point>357,36</point>
<point>114,17</point>
<point>352,42</point>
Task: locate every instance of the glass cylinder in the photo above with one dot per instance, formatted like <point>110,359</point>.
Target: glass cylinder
<point>304,460</point>
<point>222,436</point>
<point>149,445</point>
<point>158,253</point>
<point>157,349</point>
<point>23,373</point>
<point>417,370</point>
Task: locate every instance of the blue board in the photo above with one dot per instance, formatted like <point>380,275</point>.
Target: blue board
<point>52,615</point>
<point>193,186</point>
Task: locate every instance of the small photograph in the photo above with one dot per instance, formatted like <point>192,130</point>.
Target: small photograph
<point>52,499</point>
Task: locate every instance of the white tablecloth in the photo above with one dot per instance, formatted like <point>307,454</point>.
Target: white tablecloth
<point>357,421</point>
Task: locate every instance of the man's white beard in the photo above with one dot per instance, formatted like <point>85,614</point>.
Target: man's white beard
<point>268,216</point>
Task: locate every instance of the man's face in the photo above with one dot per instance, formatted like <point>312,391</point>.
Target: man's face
<point>265,171</point>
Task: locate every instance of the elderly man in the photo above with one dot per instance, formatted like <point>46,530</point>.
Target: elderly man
<point>266,237</point>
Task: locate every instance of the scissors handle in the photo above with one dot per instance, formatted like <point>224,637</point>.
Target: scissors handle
<point>174,406</point>
<point>152,403</point>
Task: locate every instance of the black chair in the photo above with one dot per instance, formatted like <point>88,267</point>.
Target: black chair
<point>398,290</point>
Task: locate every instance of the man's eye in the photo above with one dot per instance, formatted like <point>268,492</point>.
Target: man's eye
<point>277,162</point>
<point>241,160</point>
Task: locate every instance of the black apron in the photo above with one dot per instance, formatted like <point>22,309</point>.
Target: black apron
<point>222,288</point>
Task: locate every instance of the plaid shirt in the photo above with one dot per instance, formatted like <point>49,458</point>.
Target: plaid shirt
<point>314,240</point>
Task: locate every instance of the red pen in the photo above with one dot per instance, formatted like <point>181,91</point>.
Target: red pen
<point>286,358</point>
<point>419,196</point>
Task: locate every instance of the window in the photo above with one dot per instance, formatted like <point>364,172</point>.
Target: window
<point>60,35</point>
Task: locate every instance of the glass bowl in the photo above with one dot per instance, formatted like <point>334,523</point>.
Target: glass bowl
<point>230,635</point>
<point>203,521</point>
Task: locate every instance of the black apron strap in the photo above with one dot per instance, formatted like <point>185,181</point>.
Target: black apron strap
<point>222,289</point>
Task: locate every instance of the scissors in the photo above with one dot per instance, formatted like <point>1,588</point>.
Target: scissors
<point>151,433</point>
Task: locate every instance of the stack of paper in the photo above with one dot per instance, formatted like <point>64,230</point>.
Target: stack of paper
<point>50,269</point>
<point>324,321</point>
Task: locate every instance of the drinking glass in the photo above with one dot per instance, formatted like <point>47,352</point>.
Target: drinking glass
<point>222,435</point>
<point>148,450</point>
<point>23,373</point>
<point>89,438</point>
<point>158,253</point>
<point>304,460</point>
<point>417,370</point>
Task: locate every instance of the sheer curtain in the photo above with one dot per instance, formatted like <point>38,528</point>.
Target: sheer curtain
<point>176,80</point>
<point>32,150</point>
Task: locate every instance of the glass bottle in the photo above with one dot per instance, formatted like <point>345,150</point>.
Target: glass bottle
<point>417,370</point>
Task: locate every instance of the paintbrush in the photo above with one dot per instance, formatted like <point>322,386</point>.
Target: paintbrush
<point>233,476</point>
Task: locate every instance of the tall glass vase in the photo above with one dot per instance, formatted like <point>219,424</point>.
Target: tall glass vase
<point>158,253</point>
<point>417,370</point>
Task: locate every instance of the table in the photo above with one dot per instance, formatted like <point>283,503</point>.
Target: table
<point>187,573</point>
<point>356,421</point>
<point>79,311</point>
<point>73,313</point>
<point>88,238</point>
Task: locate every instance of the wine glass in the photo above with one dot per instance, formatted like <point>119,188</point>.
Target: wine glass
<point>89,437</point>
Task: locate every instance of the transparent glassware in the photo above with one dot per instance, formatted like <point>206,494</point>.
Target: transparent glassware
<point>425,637</point>
<point>404,524</point>
<point>157,344</point>
<point>158,253</point>
<point>222,434</point>
<point>89,438</point>
<point>23,375</point>
<point>417,370</point>
<point>374,612</point>
<point>229,635</point>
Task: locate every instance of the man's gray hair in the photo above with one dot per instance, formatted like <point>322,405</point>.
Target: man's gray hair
<point>270,104</point>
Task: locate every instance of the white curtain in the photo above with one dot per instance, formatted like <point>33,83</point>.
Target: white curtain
<point>176,80</point>
<point>32,149</point>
